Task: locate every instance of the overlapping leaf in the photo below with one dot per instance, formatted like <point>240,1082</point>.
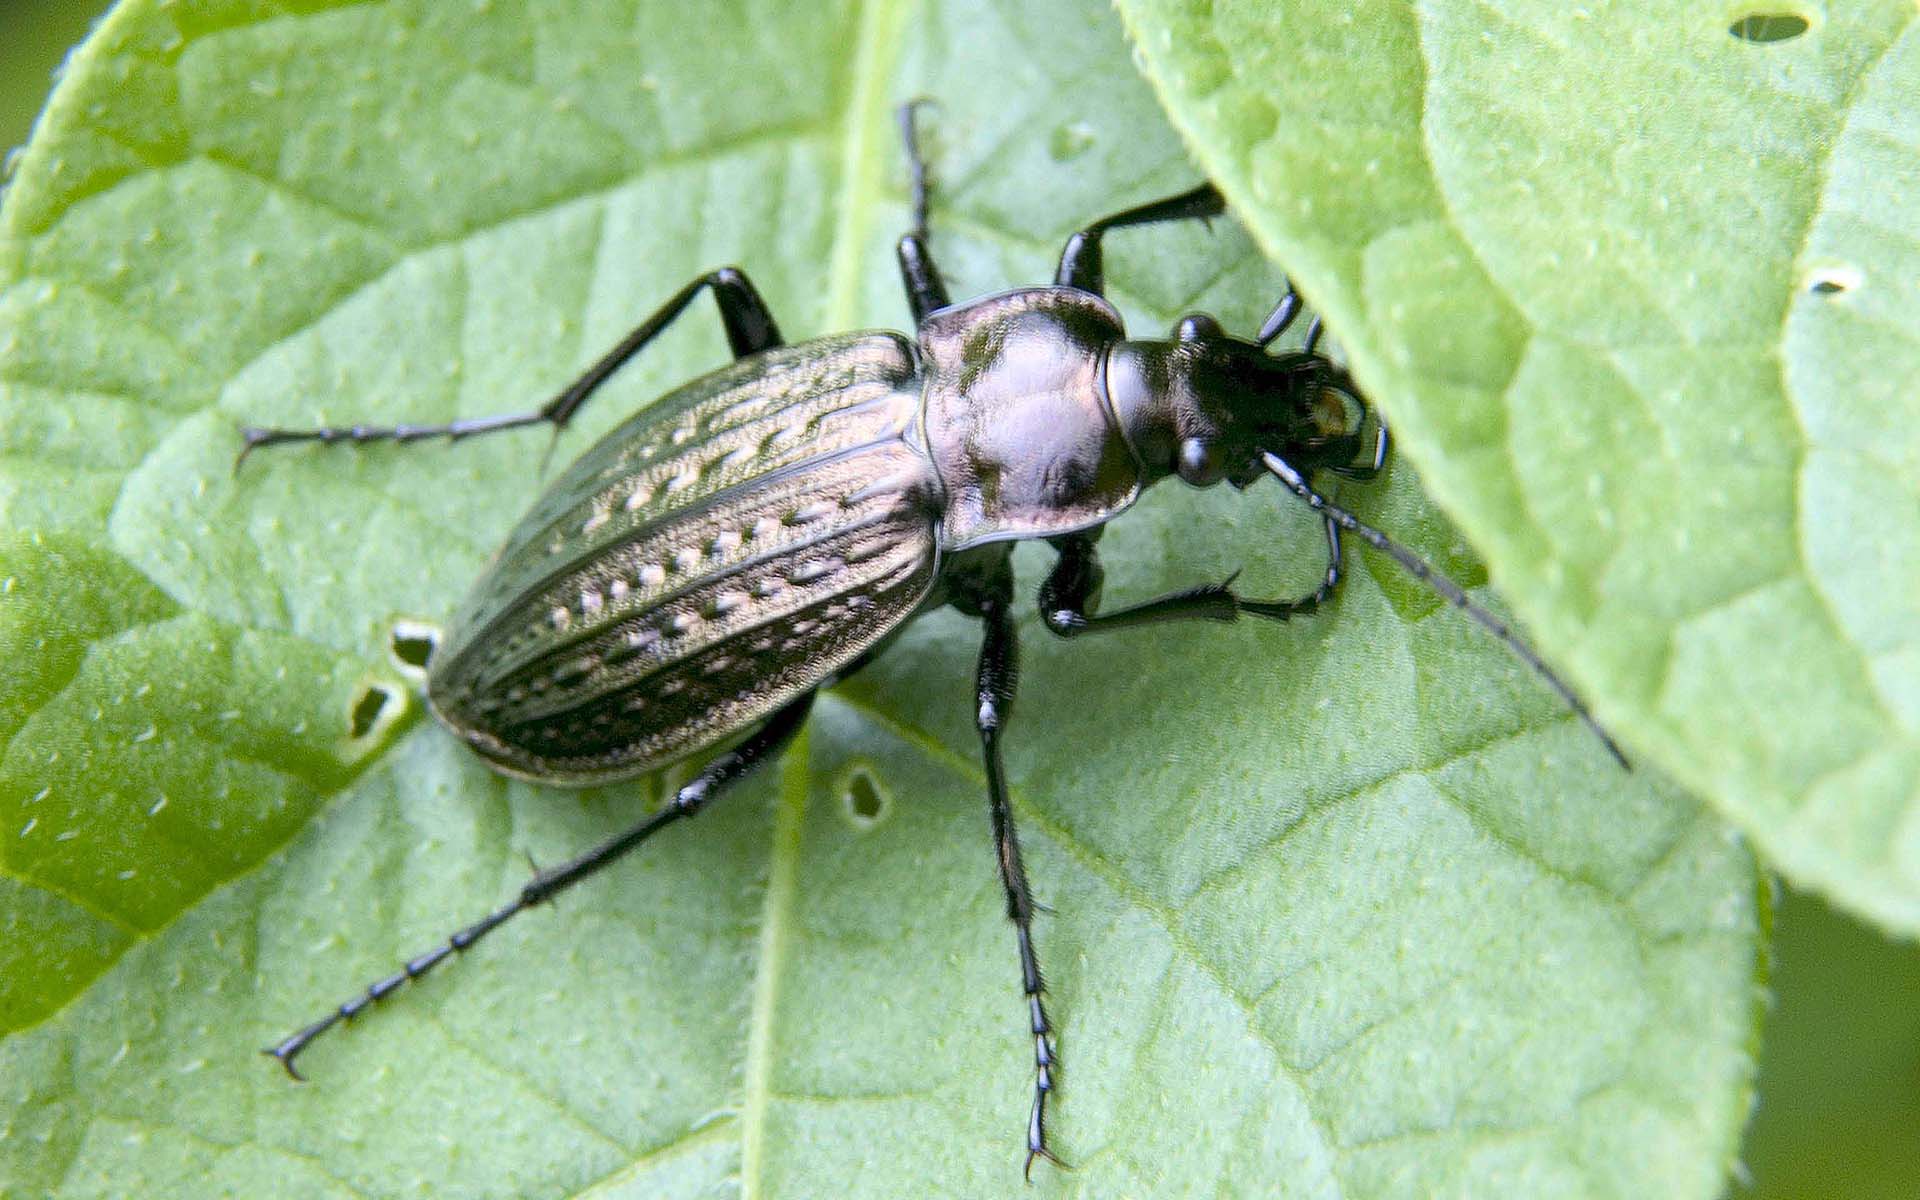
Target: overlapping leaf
<point>1638,288</point>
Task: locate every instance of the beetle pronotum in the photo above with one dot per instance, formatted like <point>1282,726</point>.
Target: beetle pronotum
<point>754,535</point>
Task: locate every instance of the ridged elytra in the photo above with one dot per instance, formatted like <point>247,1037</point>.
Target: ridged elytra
<point>703,570</point>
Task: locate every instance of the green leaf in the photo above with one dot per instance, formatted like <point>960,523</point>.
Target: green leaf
<point>1350,903</point>
<point>1637,290</point>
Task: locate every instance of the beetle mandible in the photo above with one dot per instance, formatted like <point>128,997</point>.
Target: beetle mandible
<point>758,533</point>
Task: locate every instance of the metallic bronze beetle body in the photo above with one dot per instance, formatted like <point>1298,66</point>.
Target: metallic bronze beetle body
<point>711,563</point>
<point>743,540</point>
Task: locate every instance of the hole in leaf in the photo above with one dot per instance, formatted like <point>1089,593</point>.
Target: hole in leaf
<point>866,803</point>
<point>1832,281</point>
<point>367,709</point>
<point>1068,142</point>
<point>861,796</point>
<point>413,643</point>
<point>1764,28</point>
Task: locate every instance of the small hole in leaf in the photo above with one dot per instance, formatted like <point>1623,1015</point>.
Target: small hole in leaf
<point>1765,28</point>
<point>1832,281</point>
<point>413,644</point>
<point>1068,142</point>
<point>367,709</point>
<point>866,803</point>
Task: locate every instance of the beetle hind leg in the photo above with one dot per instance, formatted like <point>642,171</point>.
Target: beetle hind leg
<point>750,329</point>
<point>723,770</point>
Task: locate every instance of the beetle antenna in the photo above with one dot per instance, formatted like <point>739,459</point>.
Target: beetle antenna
<point>1456,595</point>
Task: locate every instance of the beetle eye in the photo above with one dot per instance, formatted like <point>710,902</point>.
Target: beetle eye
<point>1198,463</point>
<point>1196,326</point>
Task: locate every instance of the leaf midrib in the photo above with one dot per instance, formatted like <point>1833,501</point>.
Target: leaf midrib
<point>861,172</point>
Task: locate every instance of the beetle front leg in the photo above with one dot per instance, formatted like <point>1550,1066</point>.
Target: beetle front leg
<point>994,687</point>
<point>926,291</point>
<point>1072,590</point>
<point>1081,264</point>
<point>750,329</point>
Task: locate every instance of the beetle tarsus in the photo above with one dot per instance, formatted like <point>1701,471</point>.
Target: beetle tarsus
<point>1041,1151</point>
<point>285,1058</point>
<point>287,1050</point>
<point>254,437</point>
<point>251,437</point>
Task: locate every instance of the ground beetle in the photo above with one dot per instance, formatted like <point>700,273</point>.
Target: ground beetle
<point>759,533</point>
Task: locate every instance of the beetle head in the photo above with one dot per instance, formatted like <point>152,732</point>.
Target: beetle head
<point>1205,405</point>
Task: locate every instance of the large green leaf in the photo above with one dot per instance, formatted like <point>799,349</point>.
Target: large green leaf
<point>1350,906</point>
<point>1637,287</point>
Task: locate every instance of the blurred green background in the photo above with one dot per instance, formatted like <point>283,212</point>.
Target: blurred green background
<point>34,37</point>
<point>1839,1110</point>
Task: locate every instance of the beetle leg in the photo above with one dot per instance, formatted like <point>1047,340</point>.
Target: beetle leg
<point>763,744</point>
<point>1071,592</point>
<point>994,687</point>
<point>926,291</point>
<point>1080,263</point>
<point>750,329</point>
